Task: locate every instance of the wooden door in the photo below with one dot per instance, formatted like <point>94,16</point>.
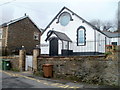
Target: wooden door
<point>53,49</point>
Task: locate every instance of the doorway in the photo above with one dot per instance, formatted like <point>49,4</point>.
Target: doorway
<point>53,49</point>
<point>29,63</point>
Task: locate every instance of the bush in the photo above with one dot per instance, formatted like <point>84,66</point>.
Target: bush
<point>15,69</point>
<point>108,53</point>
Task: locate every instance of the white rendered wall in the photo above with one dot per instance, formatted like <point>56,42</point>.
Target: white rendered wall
<point>117,39</point>
<point>71,31</point>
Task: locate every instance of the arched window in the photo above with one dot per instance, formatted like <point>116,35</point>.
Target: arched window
<point>81,36</point>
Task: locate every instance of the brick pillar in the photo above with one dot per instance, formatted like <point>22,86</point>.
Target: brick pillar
<point>36,53</point>
<point>22,57</point>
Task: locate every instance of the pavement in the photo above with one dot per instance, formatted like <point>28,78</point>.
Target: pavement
<point>12,79</point>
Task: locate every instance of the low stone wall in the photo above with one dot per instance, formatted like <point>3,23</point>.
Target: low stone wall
<point>15,63</point>
<point>94,69</point>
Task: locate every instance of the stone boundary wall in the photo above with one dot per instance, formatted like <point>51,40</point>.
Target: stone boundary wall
<point>90,69</point>
<point>15,63</point>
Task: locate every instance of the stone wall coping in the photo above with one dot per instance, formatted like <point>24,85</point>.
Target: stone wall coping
<point>76,58</point>
<point>10,57</point>
<point>69,56</point>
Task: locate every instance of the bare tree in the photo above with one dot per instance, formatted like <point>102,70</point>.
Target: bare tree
<point>107,26</point>
<point>103,26</point>
<point>96,23</point>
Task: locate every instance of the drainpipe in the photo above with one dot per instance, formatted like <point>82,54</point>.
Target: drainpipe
<point>62,47</point>
<point>95,40</point>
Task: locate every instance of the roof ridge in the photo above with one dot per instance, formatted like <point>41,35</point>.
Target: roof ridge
<point>13,20</point>
<point>17,19</point>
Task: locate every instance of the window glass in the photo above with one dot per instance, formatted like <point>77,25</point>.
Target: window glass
<point>114,43</point>
<point>64,19</point>
<point>81,36</point>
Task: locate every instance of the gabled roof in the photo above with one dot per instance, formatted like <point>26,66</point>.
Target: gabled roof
<point>111,34</point>
<point>61,36</point>
<point>73,14</point>
<point>16,20</point>
<point>13,21</point>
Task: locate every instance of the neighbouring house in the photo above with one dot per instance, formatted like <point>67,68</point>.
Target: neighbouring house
<point>114,37</point>
<point>17,33</point>
<point>70,34</point>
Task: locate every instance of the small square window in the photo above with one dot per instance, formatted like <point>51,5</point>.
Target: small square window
<point>114,43</point>
<point>36,36</point>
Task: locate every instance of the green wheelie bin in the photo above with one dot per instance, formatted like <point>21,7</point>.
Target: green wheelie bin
<point>5,64</point>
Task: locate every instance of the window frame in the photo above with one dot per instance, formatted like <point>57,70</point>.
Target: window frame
<point>83,28</point>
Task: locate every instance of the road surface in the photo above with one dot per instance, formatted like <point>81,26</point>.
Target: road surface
<point>26,80</point>
<point>16,80</point>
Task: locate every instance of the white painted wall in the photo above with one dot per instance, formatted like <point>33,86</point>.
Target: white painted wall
<point>71,31</point>
<point>117,39</point>
<point>100,42</point>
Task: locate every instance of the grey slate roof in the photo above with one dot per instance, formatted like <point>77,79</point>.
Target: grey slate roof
<point>12,21</point>
<point>16,20</point>
<point>111,35</point>
<point>60,35</point>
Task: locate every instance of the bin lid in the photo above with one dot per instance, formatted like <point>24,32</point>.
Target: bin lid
<point>47,65</point>
<point>5,59</point>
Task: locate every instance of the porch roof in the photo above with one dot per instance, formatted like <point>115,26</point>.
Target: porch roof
<point>60,35</point>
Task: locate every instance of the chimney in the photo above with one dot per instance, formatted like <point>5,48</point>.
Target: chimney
<point>119,16</point>
<point>25,14</point>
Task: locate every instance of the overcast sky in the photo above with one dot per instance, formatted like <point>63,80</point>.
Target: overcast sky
<point>43,11</point>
